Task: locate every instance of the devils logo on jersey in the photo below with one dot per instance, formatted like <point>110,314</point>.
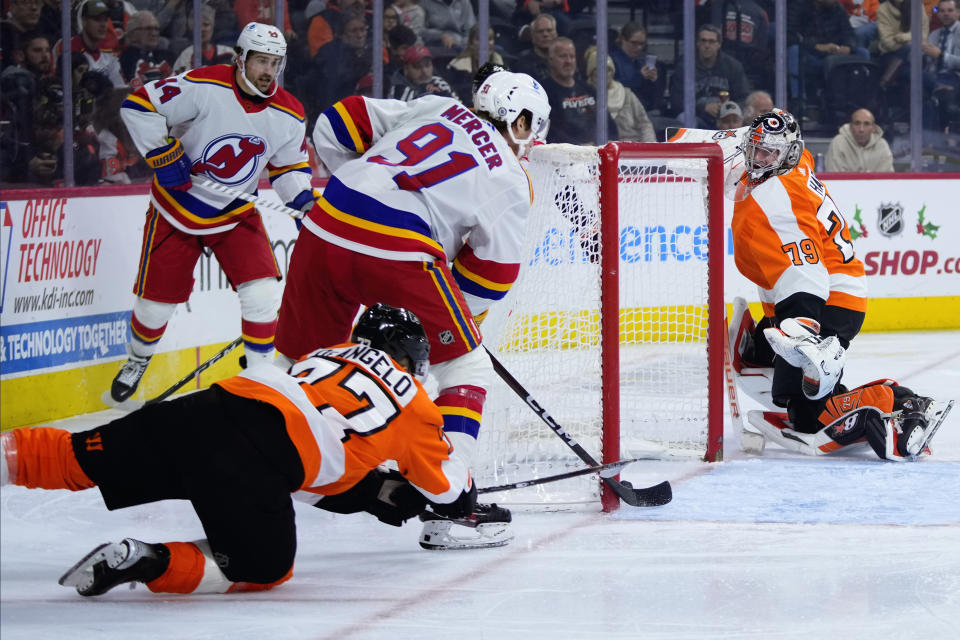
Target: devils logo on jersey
<point>231,159</point>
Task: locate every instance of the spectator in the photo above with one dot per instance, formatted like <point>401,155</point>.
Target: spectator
<point>18,90</point>
<point>462,68</point>
<point>730,116</point>
<point>35,56</point>
<point>326,21</point>
<point>718,78</point>
<point>533,61</point>
<point>45,156</point>
<point>559,10</point>
<point>746,28</point>
<point>573,102</point>
<point>334,72</point>
<point>633,123</point>
<point>756,103</point>
<point>398,41</point>
<point>638,71</point>
<point>863,19</point>
<point>23,17</point>
<point>142,59</point>
<point>894,36</point>
<point>209,53</point>
<point>166,12</point>
<point>391,18</point>
<point>859,146</point>
<point>94,23</point>
<point>248,11</point>
<point>417,78</point>
<point>448,23</point>
<point>120,163</point>
<point>412,15</point>
<point>49,23</point>
<point>942,72</point>
<point>817,30</point>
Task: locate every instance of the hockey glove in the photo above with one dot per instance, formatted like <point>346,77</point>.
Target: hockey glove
<point>171,166</point>
<point>386,494</point>
<point>798,341</point>
<point>304,201</point>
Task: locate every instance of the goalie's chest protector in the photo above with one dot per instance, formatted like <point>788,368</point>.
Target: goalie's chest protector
<point>229,140</point>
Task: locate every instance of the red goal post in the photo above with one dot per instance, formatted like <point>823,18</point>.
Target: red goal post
<point>616,322</point>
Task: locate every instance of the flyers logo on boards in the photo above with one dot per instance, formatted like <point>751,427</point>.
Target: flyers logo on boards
<point>231,159</point>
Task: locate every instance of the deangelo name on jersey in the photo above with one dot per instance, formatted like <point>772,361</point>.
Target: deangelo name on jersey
<point>376,362</point>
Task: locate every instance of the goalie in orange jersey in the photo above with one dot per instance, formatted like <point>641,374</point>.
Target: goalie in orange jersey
<point>791,240</point>
<point>239,449</point>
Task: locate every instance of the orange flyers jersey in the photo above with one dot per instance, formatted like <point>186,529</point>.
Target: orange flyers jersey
<point>789,237</point>
<point>350,408</point>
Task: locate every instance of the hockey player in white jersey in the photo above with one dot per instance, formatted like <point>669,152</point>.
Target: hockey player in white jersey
<point>225,123</point>
<point>426,208</point>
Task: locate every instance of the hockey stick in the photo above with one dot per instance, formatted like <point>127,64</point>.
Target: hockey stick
<point>605,470</point>
<point>193,374</point>
<point>654,496</point>
<point>750,442</point>
<point>249,197</point>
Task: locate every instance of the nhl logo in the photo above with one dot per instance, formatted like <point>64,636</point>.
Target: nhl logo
<point>891,219</point>
<point>446,336</point>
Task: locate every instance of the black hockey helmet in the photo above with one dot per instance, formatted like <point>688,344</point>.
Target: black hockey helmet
<point>396,331</point>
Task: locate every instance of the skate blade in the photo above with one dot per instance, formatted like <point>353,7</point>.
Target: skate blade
<point>129,405</point>
<point>436,536</point>
<point>80,575</point>
<point>938,415</point>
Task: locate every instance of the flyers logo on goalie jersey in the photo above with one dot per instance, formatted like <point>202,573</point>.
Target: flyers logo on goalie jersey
<point>231,159</point>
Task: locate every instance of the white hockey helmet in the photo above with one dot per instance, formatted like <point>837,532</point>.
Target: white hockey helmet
<point>772,146</point>
<point>262,38</point>
<point>504,95</point>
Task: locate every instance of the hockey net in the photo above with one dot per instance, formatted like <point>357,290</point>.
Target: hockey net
<point>614,325</point>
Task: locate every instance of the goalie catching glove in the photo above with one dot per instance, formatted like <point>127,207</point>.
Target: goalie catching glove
<point>171,166</point>
<point>390,497</point>
<point>798,341</point>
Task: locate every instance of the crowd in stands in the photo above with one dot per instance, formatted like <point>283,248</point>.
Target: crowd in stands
<point>848,68</point>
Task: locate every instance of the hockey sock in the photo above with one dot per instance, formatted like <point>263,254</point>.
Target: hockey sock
<point>462,408</point>
<point>192,569</point>
<point>43,458</point>
<point>258,340</point>
<point>147,324</point>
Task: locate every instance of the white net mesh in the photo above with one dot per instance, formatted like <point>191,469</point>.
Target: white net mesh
<point>546,332</point>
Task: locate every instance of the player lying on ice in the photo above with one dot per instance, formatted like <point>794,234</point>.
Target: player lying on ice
<point>254,440</point>
<point>790,239</point>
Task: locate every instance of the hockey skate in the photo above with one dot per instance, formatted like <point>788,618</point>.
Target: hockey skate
<point>114,563</point>
<point>128,379</point>
<point>490,525</point>
<point>921,418</point>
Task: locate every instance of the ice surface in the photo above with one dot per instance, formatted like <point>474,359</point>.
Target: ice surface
<point>776,546</point>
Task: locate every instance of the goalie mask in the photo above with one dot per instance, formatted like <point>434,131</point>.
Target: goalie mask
<point>397,332</point>
<point>261,38</point>
<point>505,95</point>
<point>771,147</point>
